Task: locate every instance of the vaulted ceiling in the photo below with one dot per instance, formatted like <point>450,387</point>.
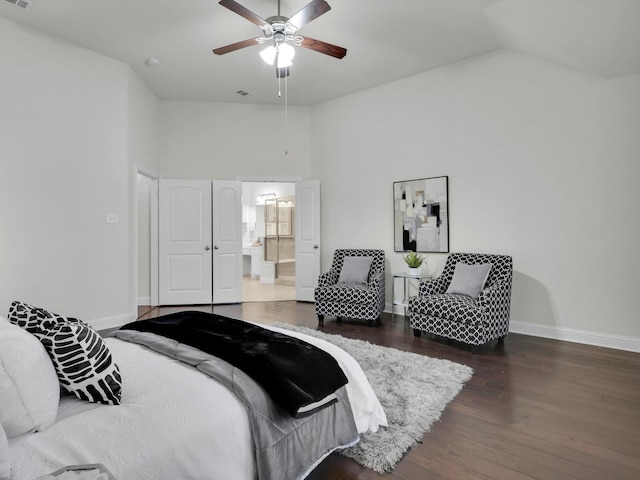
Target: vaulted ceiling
<point>386,40</point>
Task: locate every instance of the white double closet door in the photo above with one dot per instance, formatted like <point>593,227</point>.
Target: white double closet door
<point>200,241</point>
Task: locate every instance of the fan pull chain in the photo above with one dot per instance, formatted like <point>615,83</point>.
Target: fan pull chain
<point>286,115</point>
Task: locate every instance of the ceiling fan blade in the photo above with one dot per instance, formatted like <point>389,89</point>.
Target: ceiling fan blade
<point>323,47</point>
<point>309,12</point>
<point>236,46</point>
<point>282,72</point>
<point>243,12</point>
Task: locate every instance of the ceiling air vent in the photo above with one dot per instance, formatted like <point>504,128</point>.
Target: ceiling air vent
<point>24,4</point>
<point>242,93</point>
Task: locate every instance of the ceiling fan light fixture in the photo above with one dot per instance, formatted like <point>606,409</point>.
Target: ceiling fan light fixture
<point>285,55</point>
<point>283,52</point>
<point>283,63</point>
<point>269,54</point>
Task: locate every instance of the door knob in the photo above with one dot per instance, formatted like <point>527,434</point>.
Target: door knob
<point>315,246</point>
<point>207,248</point>
<point>215,247</point>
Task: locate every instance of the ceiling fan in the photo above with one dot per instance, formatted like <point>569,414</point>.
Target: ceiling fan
<point>281,32</point>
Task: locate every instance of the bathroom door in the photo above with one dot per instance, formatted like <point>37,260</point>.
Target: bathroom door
<point>184,242</point>
<point>307,226</point>
<point>227,241</point>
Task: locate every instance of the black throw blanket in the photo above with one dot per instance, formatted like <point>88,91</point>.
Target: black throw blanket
<point>294,373</point>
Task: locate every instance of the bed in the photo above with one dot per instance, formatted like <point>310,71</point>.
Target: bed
<point>173,422</point>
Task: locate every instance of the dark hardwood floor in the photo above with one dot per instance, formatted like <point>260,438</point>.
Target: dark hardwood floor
<point>534,409</point>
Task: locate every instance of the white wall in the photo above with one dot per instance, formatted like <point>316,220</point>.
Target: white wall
<point>143,127</point>
<point>542,164</point>
<point>65,163</point>
<point>222,141</point>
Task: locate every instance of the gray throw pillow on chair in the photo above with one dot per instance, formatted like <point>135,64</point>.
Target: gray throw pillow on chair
<point>355,270</point>
<point>469,279</point>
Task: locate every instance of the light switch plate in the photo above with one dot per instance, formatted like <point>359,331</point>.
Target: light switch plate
<point>112,218</point>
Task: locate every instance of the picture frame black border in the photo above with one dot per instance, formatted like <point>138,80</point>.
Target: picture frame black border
<point>393,189</point>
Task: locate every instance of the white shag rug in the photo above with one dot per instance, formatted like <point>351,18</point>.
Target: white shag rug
<point>413,390</point>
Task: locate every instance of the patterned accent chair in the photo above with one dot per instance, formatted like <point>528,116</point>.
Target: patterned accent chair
<point>474,321</point>
<point>364,301</point>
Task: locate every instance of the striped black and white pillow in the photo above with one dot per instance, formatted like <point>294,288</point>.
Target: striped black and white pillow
<point>33,319</point>
<point>82,360</point>
<point>25,316</point>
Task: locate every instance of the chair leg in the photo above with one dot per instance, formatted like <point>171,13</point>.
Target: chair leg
<point>501,339</point>
<point>321,319</point>
<point>416,332</point>
<point>338,319</point>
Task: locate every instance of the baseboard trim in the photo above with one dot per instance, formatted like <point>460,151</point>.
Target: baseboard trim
<point>598,339</point>
<point>145,301</point>
<point>619,342</point>
<point>115,321</point>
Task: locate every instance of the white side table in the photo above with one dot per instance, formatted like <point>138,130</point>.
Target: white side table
<point>406,285</point>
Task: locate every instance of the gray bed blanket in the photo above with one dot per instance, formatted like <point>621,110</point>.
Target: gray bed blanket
<point>286,448</point>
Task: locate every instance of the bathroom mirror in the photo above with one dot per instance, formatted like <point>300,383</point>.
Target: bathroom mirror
<point>421,219</point>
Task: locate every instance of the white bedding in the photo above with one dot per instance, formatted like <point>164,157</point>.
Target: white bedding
<point>367,411</point>
<point>174,423</point>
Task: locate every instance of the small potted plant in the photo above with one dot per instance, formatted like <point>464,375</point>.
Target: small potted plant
<point>414,261</point>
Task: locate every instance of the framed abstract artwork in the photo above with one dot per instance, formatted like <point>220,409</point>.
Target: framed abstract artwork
<point>421,215</point>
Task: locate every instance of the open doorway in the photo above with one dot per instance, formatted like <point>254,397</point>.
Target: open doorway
<point>144,240</point>
<point>145,192</point>
<point>268,229</point>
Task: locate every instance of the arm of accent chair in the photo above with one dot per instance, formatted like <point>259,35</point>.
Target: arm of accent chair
<point>494,297</point>
<point>328,278</point>
<point>376,280</point>
<point>377,286</point>
<point>431,287</point>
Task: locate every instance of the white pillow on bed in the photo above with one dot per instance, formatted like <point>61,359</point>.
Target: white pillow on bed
<point>5,466</point>
<point>29,389</point>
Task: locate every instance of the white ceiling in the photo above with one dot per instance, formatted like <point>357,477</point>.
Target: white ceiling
<point>386,40</point>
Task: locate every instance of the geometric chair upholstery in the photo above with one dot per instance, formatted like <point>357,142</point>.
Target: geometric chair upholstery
<point>364,301</point>
<point>474,321</point>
